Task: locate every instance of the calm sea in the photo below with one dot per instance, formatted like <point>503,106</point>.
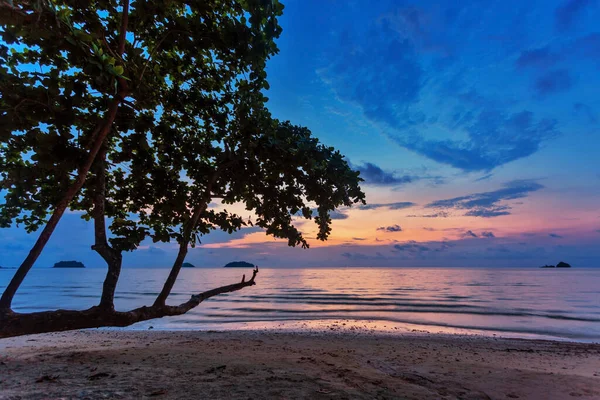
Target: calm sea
<point>508,302</point>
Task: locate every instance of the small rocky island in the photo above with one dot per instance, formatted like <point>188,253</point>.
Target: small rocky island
<point>188,265</point>
<point>239,264</point>
<point>69,264</point>
<point>559,265</point>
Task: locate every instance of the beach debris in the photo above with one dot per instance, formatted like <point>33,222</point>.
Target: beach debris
<point>215,369</point>
<point>97,376</point>
<point>47,378</point>
<point>324,391</point>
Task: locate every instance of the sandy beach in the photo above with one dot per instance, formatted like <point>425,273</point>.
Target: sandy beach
<point>341,364</point>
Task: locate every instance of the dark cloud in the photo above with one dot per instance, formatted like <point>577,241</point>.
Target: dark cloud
<point>484,177</point>
<point>362,256</point>
<point>487,204</point>
<point>358,238</point>
<point>499,249</point>
<point>391,228</point>
<point>414,248</point>
<point>566,15</point>
<point>429,229</point>
<point>552,82</point>
<point>392,206</point>
<point>441,214</point>
<point>494,139</point>
<point>585,111</point>
<point>540,58</point>
<point>355,256</point>
<point>411,247</point>
<point>374,175</point>
<point>555,235</point>
<point>586,47</point>
<point>470,234</point>
<point>218,236</point>
<point>155,250</point>
<point>381,68</point>
<point>335,214</point>
<point>379,71</point>
<point>488,234</point>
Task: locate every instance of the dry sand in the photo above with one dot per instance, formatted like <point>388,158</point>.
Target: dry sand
<point>285,365</point>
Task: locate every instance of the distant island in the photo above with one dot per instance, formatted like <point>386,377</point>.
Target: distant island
<point>188,265</point>
<point>559,265</point>
<point>69,264</point>
<point>239,264</point>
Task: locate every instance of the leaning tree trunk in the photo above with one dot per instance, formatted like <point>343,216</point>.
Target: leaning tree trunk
<point>59,210</point>
<point>97,139</point>
<point>112,257</point>
<point>16,324</point>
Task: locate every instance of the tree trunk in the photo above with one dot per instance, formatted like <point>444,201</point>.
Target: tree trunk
<point>16,324</point>
<point>100,134</point>
<point>185,241</point>
<point>97,140</point>
<point>183,249</point>
<point>112,257</point>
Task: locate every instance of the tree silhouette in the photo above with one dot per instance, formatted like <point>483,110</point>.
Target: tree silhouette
<point>140,115</point>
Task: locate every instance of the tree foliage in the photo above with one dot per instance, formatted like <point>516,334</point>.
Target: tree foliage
<point>147,112</point>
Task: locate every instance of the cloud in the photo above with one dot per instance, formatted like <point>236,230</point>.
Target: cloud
<point>362,256</point>
<point>374,175</point>
<point>488,234</point>
<point>335,214</point>
<point>499,249</point>
<point>391,228</point>
<point>566,15</point>
<point>470,234</point>
<point>414,248</point>
<point>484,178</point>
<point>488,204</point>
<point>552,82</point>
<point>392,206</point>
<point>494,139</point>
<point>441,214</point>
<point>358,238</point>
<point>555,235</point>
<point>540,58</point>
<point>411,247</point>
<point>379,71</point>
<point>586,111</point>
<point>586,47</point>
<point>392,66</point>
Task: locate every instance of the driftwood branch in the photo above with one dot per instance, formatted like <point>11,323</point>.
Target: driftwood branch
<point>16,324</point>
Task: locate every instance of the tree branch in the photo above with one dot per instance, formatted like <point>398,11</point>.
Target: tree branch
<point>123,32</point>
<point>16,324</point>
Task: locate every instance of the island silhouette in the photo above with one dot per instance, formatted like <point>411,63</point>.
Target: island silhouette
<point>239,264</point>
<point>69,264</point>
<point>559,265</point>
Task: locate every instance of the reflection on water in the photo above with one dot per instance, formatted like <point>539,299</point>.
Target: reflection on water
<point>561,303</point>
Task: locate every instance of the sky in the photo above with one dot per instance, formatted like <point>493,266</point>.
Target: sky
<point>474,124</point>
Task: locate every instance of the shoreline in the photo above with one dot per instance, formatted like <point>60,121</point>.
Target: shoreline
<point>317,364</point>
<point>371,327</point>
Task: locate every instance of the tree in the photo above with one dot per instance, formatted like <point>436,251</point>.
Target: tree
<point>140,115</point>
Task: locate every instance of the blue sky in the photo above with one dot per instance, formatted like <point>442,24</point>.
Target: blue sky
<point>475,125</point>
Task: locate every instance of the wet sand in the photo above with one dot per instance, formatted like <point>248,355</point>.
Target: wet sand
<point>98,364</point>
